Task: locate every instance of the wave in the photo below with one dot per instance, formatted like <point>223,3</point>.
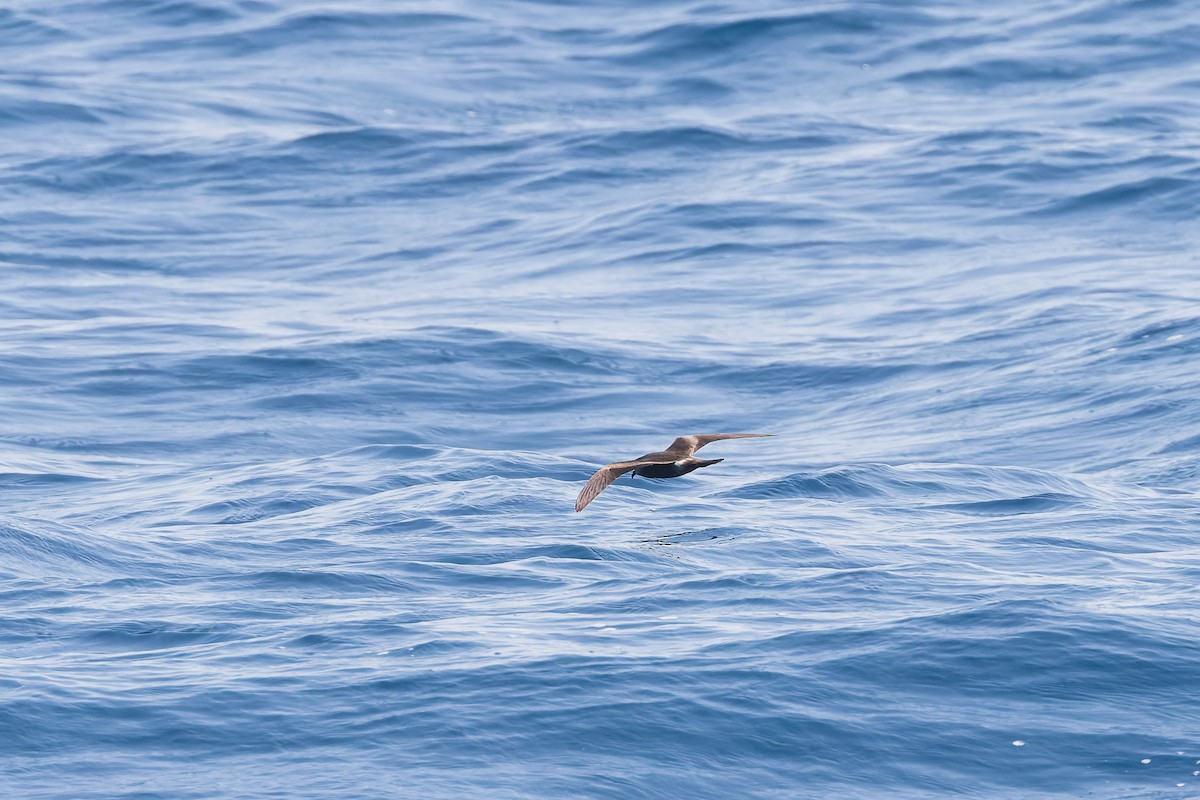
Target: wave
<point>975,488</point>
<point>316,318</point>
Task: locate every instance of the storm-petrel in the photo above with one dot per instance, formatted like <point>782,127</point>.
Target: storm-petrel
<point>676,460</point>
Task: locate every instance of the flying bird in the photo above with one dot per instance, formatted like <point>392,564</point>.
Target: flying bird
<point>676,460</point>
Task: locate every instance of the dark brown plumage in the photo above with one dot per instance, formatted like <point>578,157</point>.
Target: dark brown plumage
<point>676,460</point>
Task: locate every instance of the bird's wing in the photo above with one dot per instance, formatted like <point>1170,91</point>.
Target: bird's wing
<point>606,475</point>
<point>686,445</point>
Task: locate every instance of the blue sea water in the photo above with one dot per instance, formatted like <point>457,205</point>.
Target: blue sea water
<point>316,316</point>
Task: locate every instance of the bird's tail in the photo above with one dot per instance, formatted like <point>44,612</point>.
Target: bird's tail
<point>708,462</point>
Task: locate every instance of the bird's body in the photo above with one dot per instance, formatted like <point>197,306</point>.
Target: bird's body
<point>676,460</point>
<point>655,468</point>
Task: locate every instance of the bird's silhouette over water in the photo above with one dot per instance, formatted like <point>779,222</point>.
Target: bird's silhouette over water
<point>676,460</point>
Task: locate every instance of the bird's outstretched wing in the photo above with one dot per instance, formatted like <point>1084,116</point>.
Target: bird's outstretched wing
<point>606,475</point>
<point>686,445</point>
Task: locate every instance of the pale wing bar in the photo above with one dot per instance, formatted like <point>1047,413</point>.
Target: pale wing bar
<point>686,445</point>
<point>606,475</point>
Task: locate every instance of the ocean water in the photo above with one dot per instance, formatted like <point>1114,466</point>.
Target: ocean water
<point>316,316</point>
